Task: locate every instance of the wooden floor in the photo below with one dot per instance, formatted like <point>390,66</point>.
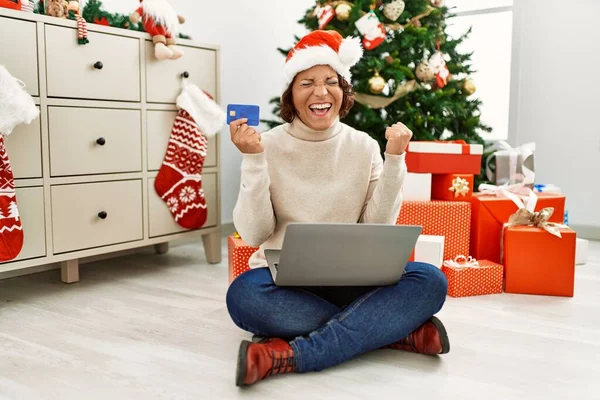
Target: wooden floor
<point>155,327</point>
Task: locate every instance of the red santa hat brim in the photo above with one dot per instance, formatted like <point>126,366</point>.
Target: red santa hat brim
<point>323,48</point>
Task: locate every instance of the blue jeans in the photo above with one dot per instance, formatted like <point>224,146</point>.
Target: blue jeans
<point>330,325</point>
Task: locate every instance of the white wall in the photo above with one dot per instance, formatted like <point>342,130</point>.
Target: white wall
<point>250,62</point>
<point>556,103</point>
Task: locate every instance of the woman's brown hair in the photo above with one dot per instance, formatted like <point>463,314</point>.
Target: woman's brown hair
<point>288,112</point>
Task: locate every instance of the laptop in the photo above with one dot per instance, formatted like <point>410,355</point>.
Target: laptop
<point>338,254</point>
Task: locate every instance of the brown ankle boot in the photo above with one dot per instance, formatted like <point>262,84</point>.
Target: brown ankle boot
<point>430,338</point>
<point>258,361</point>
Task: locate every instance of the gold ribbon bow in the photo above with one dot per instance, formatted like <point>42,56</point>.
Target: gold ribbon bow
<point>539,219</point>
<point>460,187</point>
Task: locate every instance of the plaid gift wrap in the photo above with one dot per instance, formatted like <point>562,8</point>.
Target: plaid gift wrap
<point>239,254</point>
<point>469,277</point>
<point>451,219</point>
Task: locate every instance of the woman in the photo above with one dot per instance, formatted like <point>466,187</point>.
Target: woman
<point>316,169</point>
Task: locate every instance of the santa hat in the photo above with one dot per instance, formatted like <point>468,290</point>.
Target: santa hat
<point>322,48</point>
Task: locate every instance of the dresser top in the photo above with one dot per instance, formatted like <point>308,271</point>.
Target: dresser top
<point>5,12</point>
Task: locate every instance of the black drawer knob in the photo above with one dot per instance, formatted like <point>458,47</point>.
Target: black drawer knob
<point>98,65</point>
<point>101,141</point>
<point>102,215</point>
<point>186,74</point>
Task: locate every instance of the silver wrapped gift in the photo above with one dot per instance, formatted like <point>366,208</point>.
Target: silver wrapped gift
<point>513,164</point>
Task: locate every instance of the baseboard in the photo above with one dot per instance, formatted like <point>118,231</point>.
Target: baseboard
<point>227,229</point>
<point>590,232</point>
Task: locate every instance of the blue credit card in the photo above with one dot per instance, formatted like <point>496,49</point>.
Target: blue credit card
<point>237,111</point>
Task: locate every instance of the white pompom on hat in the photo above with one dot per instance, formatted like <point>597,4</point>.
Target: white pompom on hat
<point>322,48</point>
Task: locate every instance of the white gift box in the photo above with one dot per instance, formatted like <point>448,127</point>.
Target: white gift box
<point>430,249</point>
<point>581,251</point>
<point>417,187</point>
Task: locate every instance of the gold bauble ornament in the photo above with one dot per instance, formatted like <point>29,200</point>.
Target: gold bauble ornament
<point>376,84</point>
<point>425,72</point>
<point>342,11</point>
<point>469,87</point>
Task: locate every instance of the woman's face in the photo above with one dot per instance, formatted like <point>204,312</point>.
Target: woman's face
<point>317,96</point>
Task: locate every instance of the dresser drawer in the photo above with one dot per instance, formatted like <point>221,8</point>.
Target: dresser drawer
<point>24,147</point>
<point>18,51</point>
<point>162,221</point>
<point>159,125</point>
<point>108,68</point>
<point>96,214</point>
<point>30,202</point>
<point>94,141</point>
<point>163,78</point>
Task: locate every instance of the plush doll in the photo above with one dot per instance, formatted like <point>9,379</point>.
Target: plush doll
<point>161,21</point>
<point>77,7</point>
<point>56,8</point>
<point>12,4</point>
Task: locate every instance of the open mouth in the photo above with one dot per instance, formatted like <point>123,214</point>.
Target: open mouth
<point>320,109</point>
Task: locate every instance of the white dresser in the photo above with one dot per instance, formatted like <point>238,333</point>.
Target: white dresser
<point>85,169</point>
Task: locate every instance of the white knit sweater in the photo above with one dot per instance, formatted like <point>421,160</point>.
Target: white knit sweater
<point>337,176</point>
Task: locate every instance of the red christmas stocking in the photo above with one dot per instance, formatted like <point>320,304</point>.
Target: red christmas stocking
<point>179,180</point>
<point>11,230</point>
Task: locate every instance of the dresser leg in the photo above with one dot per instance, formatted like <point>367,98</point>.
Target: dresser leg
<point>161,248</point>
<point>69,271</point>
<point>212,247</point>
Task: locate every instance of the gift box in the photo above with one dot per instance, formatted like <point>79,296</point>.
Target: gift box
<point>511,165</point>
<point>537,262</point>
<point>444,157</point>
<point>430,249</point>
<point>581,251</point>
<point>450,219</point>
<point>473,278</point>
<point>239,253</point>
<point>12,4</point>
<point>417,187</point>
<point>490,213</point>
<point>452,187</point>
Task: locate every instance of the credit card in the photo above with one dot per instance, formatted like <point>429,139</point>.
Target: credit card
<point>237,111</point>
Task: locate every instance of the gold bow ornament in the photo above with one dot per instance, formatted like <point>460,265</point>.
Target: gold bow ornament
<point>539,219</point>
<point>460,187</point>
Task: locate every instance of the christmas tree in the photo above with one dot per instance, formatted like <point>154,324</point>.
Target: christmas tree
<point>411,71</point>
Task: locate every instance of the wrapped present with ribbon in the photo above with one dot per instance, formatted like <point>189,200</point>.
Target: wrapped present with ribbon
<point>450,219</point>
<point>468,277</point>
<point>539,255</point>
<point>508,165</point>
<point>239,254</point>
<point>492,207</point>
<point>452,187</point>
<point>444,157</point>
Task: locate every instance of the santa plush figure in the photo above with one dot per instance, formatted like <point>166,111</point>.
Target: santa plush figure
<point>161,21</point>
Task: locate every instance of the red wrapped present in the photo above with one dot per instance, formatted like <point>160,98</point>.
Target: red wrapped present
<point>12,4</point>
<point>239,253</point>
<point>451,219</point>
<point>455,157</point>
<point>452,187</point>
<point>469,277</point>
<point>539,259</point>
<point>490,213</point>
